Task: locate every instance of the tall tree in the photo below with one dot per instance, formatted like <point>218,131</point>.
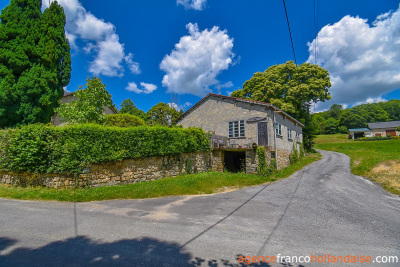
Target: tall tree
<point>89,105</point>
<point>35,62</point>
<point>292,88</point>
<point>335,110</point>
<point>162,114</point>
<point>127,106</point>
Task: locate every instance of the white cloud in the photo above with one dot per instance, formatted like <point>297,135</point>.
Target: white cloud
<point>109,57</point>
<point>72,40</point>
<point>371,100</point>
<point>132,87</point>
<point>147,88</point>
<point>133,66</point>
<point>99,37</point>
<point>192,4</point>
<point>179,107</point>
<point>362,59</point>
<point>198,58</point>
<point>174,105</point>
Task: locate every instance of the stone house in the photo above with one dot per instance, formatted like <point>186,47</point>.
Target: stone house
<point>238,125</point>
<point>68,97</point>
<point>376,129</point>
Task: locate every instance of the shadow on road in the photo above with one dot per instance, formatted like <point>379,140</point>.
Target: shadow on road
<point>82,251</point>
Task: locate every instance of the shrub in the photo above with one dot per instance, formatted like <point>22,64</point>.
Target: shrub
<point>374,138</point>
<point>123,120</point>
<point>263,168</point>
<point>294,157</point>
<point>262,163</point>
<point>69,149</point>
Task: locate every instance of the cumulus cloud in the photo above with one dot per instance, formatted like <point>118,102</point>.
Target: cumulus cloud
<point>362,58</point>
<point>133,66</point>
<point>198,58</point>
<point>146,88</point>
<point>192,4</point>
<point>179,107</point>
<point>371,100</point>
<point>99,37</point>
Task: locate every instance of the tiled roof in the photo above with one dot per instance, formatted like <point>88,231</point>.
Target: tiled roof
<point>240,100</point>
<point>386,124</point>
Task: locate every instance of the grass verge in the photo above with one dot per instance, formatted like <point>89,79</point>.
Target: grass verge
<point>377,160</point>
<point>193,184</point>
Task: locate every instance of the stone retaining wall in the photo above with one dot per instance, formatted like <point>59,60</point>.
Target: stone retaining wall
<point>139,170</point>
<point>121,172</point>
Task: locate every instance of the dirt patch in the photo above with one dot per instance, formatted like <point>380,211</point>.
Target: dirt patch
<point>387,174</point>
<point>390,167</point>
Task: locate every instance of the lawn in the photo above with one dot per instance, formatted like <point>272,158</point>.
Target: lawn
<point>193,184</point>
<point>377,160</point>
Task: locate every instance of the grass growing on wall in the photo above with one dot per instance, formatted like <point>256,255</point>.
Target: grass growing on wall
<point>377,160</point>
<point>192,184</point>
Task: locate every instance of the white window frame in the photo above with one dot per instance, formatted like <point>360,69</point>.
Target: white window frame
<point>278,129</point>
<point>289,134</point>
<point>236,129</point>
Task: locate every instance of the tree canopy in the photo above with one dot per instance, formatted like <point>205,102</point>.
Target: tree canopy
<point>356,117</point>
<point>35,62</point>
<point>291,88</point>
<point>127,106</point>
<point>162,114</point>
<point>89,104</point>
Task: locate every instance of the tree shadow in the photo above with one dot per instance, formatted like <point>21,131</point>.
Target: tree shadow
<point>83,251</point>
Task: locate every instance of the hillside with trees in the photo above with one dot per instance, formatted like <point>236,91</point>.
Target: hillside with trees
<point>338,120</point>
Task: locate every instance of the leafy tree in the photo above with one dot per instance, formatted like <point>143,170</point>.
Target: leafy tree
<point>89,105</point>
<point>289,87</point>
<point>127,106</point>
<point>352,120</point>
<point>335,111</point>
<point>331,126</point>
<point>123,120</point>
<point>292,88</point>
<point>35,62</point>
<point>162,114</point>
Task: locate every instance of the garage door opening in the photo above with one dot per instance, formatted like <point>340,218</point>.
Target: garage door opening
<point>358,135</point>
<point>235,161</point>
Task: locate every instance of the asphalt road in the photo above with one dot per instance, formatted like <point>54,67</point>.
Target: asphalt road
<point>322,209</point>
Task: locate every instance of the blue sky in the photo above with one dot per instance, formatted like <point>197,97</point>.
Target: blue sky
<point>155,51</point>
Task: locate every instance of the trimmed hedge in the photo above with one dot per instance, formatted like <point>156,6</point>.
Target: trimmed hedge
<point>123,120</point>
<point>69,149</point>
<point>374,138</point>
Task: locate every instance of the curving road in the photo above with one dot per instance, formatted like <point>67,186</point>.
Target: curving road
<point>322,209</point>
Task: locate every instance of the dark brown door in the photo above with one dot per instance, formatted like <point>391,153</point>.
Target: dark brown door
<point>262,133</point>
<point>391,132</point>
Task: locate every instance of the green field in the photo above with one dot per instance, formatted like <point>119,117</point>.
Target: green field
<point>377,160</point>
<point>193,184</point>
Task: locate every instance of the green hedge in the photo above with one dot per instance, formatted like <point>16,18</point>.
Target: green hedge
<point>68,149</point>
<point>123,120</point>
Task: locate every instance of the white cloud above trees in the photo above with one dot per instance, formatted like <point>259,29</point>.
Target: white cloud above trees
<point>146,88</point>
<point>362,58</point>
<point>99,37</point>
<point>196,61</point>
<point>192,4</point>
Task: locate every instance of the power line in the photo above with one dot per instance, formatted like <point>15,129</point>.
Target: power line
<point>316,15</point>
<point>290,32</point>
